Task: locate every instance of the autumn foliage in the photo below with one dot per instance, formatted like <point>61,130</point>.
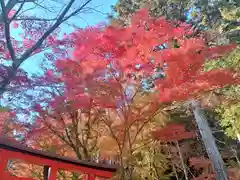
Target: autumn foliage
<point>173,132</point>
<point>104,99</point>
<point>129,54</point>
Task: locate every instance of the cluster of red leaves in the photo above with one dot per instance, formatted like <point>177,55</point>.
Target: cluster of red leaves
<point>6,117</point>
<point>185,76</point>
<point>172,133</point>
<point>199,162</point>
<point>96,49</point>
<point>3,117</point>
<point>203,165</point>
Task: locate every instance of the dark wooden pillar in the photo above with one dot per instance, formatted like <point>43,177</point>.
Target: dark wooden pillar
<point>45,172</point>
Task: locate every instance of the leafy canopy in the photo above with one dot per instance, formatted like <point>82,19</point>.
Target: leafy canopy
<point>132,54</point>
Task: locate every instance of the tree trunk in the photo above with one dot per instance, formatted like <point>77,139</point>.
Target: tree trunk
<point>209,142</point>
<point>182,161</point>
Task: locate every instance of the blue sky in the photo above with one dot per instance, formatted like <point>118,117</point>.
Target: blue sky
<point>87,19</point>
<point>32,65</point>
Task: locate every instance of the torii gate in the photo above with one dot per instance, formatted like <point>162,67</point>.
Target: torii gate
<point>51,163</point>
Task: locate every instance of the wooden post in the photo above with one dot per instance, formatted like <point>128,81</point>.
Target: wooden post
<point>45,172</point>
<point>209,142</point>
<point>90,177</point>
<point>3,163</point>
<point>53,173</point>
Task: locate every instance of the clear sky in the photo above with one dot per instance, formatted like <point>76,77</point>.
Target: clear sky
<point>32,65</point>
<point>87,19</point>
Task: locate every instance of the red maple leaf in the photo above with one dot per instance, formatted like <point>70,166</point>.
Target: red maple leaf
<point>173,132</point>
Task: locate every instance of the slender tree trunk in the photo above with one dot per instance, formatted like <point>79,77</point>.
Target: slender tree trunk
<point>209,142</point>
<point>236,156</point>
<point>182,161</point>
<point>173,167</point>
<point>174,170</point>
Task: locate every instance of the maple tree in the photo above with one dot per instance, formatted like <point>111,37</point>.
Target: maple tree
<point>109,60</point>
<point>106,63</point>
<point>135,48</point>
<point>174,133</point>
<point>126,75</point>
<point>75,127</point>
<point>27,35</point>
<point>89,126</point>
<point>220,17</point>
<point>37,36</point>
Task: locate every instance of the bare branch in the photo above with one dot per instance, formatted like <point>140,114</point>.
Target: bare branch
<point>60,20</point>
<point>10,5</point>
<point>23,11</point>
<point>6,9</point>
<point>76,11</point>
<point>39,4</point>
<point>19,9</point>
<point>18,61</point>
<point>94,9</point>
<point>34,19</point>
<point>7,30</point>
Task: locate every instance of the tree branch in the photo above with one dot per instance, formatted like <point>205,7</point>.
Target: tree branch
<point>77,11</point>
<point>18,61</point>
<point>11,4</point>
<point>15,15</point>
<point>60,20</point>
<point>6,9</point>
<point>34,19</point>
<point>7,30</point>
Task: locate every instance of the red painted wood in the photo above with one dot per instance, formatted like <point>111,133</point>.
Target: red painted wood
<point>51,163</point>
<point>53,173</point>
<point>54,165</point>
<point>11,150</point>
<point>91,177</point>
<point>3,162</point>
<point>8,176</point>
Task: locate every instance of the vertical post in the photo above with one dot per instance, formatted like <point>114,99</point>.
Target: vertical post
<point>45,172</point>
<point>209,142</point>
<point>3,163</point>
<point>182,160</point>
<point>90,177</point>
<point>53,173</point>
